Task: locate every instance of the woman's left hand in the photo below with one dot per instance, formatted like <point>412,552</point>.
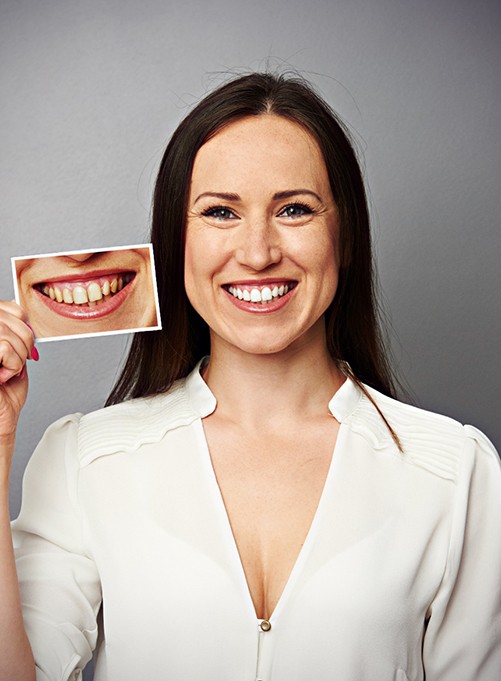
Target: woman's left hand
<point>16,346</point>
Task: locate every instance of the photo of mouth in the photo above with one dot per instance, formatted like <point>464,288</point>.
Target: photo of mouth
<point>88,293</point>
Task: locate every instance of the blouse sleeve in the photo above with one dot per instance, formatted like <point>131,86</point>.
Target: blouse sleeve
<point>463,637</point>
<point>58,580</point>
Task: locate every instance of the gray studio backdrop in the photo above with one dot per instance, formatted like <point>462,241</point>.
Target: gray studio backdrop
<point>92,90</point>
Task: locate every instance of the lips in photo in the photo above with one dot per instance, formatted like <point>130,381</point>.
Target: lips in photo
<point>89,297</point>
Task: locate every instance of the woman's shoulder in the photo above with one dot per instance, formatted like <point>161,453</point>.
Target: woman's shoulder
<point>436,442</point>
<point>122,427</point>
<point>171,405</point>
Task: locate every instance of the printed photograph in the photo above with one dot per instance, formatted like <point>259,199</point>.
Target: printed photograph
<point>88,293</point>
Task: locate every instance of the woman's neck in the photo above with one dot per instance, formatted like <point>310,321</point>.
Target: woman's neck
<point>257,390</point>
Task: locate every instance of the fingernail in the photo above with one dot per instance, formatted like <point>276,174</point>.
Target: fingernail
<point>34,354</point>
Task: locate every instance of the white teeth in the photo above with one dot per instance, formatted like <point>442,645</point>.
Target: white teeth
<point>58,294</point>
<point>80,295</point>
<point>52,295</point>
<point>256,295</point>
<point>113,286</point>
<point>266,295</point>
<point>67,296</point>
<point>106,288</point>
<point>94,292</point>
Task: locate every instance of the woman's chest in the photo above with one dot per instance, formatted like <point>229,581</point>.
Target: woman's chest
<point>271,488</point>
<point>374,551</point>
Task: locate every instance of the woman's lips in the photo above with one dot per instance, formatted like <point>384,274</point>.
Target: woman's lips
<point>261,297</point>
<point>86,298</point>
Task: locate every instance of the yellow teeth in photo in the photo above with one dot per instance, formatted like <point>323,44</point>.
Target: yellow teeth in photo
<point>94,292</point>
<point>80,295</point>
<point>83,293</point>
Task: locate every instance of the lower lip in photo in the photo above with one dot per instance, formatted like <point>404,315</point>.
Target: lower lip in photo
<point>86,299</point>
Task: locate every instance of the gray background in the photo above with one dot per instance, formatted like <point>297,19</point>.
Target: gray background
<point>92,90</point>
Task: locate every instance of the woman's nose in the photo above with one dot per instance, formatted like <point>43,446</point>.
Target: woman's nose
<point>258,246</point>
<point>80,257</point>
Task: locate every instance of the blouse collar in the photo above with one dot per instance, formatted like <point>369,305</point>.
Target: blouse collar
<point>203,402</point>
<point>201,398</point>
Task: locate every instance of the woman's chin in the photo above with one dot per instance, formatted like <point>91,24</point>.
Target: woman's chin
<point>61,326</point>
<point>260,346</point>
<point>276,340</point>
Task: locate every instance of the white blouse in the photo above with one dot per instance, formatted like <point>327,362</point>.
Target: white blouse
<point>399,577</point>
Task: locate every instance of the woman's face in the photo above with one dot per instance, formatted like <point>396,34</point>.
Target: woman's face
<point>262,232</point>
<point>86,293</point>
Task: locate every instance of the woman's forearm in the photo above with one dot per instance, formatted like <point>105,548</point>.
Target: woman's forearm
<point>16,659</point>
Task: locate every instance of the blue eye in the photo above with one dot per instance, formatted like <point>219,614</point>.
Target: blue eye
<point>295,210</point>
<point>219,213</point>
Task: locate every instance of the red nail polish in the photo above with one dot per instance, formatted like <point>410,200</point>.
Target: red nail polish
<point>34,354</point>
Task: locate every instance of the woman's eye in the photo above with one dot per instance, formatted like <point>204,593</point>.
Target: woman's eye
<point>219,212</point>
<point>295,210</point>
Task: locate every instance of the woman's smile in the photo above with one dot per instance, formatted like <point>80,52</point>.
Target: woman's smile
<point>86,297</point>
<point>261,296</point>
<point>261,244</point>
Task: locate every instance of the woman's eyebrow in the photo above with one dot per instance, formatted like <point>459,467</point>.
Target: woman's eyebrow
<point>225,196</point>
<point>293,192</point>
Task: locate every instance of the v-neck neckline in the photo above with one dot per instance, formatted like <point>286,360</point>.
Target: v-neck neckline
<point>203,403</point>
<point>231,543</point>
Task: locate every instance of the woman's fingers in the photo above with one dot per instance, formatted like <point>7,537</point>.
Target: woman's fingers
<point>12,361</point>
<point>16,341</point>
<point>12,308</point>
<point>16,346</point>
<point>17,337</point>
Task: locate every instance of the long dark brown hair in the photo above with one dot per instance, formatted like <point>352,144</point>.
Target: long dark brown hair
<point>157,358</point>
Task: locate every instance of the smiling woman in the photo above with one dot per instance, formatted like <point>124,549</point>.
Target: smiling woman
<point>87,293</point>
<point>266,252</point>
<point>264,509</point>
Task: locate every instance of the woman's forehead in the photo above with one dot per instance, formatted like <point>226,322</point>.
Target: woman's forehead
<point>250,129</point>
<point>271,146</point>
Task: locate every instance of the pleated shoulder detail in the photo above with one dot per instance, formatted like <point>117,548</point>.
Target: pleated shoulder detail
<point>430,441</point>
<point>125,427</point>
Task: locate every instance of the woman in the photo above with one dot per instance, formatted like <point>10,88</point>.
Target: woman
<point>259,513</point>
